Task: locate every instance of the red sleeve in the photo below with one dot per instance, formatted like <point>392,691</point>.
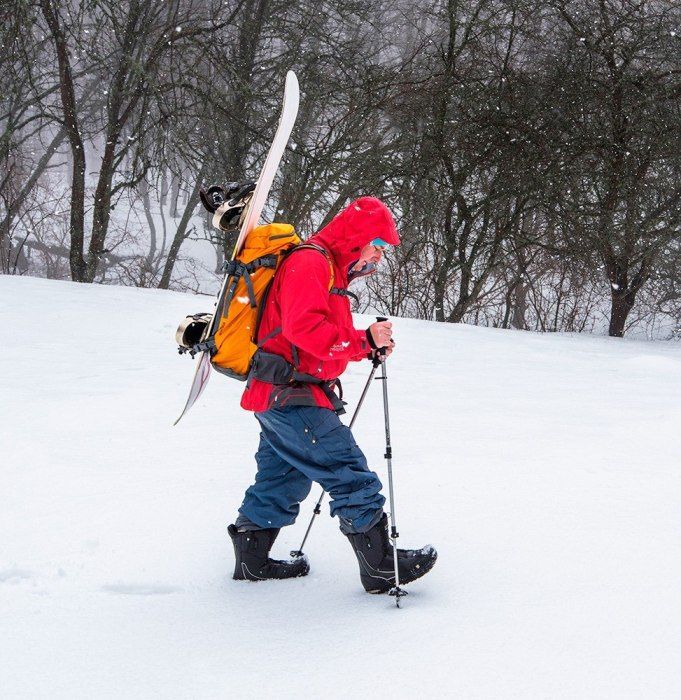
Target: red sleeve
<point>307,320</point>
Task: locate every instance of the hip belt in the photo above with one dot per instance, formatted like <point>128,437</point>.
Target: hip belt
<point>274,369</point>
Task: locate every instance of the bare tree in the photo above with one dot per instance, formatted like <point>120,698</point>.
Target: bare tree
<point>623,201</point>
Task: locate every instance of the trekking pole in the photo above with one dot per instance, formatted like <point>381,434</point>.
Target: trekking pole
<point>317,509</point>
<point>395,590</point>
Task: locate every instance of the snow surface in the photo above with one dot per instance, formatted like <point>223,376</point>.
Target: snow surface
<point>544,468</point>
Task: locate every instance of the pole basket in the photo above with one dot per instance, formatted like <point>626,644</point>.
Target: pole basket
<point>397,593</point>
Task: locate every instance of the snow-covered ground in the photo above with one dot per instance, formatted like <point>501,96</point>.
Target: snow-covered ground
<point>544,468</point>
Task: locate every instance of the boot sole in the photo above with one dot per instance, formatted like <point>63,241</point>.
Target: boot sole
<point>247,575</point>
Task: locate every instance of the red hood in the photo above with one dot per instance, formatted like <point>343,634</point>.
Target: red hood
<point>356,226</point>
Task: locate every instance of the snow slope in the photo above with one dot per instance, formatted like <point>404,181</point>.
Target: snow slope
<point>543,467</point>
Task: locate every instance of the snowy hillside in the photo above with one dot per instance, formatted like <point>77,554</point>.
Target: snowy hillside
<point>544,468</point>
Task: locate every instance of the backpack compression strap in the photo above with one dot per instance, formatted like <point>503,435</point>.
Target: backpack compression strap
<point>237,269</point>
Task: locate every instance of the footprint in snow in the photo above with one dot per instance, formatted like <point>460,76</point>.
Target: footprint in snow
<point>14,575</point>
<point>140,589</point>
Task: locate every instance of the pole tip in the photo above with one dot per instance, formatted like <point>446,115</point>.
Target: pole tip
<point>397,593</point>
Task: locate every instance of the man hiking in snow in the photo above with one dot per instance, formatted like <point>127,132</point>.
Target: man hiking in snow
<point>306,323</point>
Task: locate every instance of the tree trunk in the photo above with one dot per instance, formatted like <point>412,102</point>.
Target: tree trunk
<point>519,307</point>
<point>174,195</point>
<point>102,208</point>
<point>181,232</point>
<point>621,304</point>
<point>15,206</point>
<point>68,100</point>
<point>151,255</point>
<point>439,292</point>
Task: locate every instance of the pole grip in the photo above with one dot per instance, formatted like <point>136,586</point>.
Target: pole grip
<point>381,351</point>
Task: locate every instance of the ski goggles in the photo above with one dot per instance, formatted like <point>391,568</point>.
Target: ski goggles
<point>379,243</point>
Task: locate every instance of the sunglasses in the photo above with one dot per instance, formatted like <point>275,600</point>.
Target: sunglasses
<point>379,243</point>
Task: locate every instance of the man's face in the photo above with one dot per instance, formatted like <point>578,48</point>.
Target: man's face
<point>371,254</point>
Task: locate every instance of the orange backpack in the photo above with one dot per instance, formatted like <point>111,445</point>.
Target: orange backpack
<point>234,340</point>
<point>239,311</point>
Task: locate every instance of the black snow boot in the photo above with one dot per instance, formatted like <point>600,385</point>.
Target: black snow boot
<point>251,550</point>
<point>374,553</point>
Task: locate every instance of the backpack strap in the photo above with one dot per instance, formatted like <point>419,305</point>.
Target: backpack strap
<point>332,290</point>
<point>343,293</point>
<point>237,269</point>
<point>232,266</point>
<point>319,249</point>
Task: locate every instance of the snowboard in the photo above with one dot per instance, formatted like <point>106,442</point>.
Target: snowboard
<point>287,119</point>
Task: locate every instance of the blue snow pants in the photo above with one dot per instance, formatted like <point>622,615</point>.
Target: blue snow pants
<point>299,445</point>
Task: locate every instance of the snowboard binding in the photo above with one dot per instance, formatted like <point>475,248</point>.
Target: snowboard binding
<point>190,334</point>
<point>227,204</point>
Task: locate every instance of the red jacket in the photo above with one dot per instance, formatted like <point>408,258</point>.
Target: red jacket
<point>318,323</point>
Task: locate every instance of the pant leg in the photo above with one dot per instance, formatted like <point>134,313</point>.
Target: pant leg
<point>316,443</point>
<point>274,499</point>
